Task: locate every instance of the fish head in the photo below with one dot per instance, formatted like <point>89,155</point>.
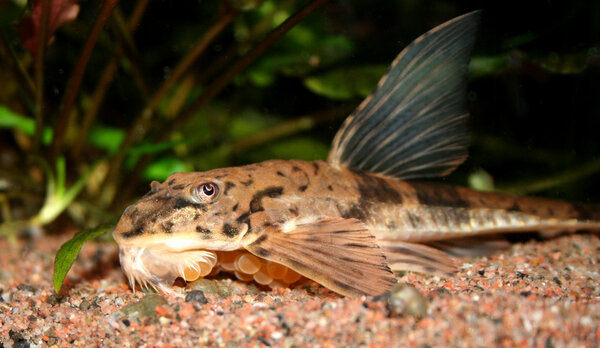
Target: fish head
<point>181,223</point>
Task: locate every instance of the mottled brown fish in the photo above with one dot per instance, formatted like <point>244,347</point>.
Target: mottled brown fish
<point>348,222</point>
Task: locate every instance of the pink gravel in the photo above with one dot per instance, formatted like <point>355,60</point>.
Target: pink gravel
<point>538,293</point>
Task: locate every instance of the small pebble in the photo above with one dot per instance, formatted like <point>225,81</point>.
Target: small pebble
<point>26,287</point>
<point>55,299</point>
<point>144,308</point>
<point>214,287</point>
<point>406,300</point>
<point>196,296</point>
<point>84,305</point>
<point>18,339</point>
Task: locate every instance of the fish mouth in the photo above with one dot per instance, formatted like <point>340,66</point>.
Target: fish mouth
<point>158,268</point>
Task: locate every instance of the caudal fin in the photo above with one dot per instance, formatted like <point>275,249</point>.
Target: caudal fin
<point>414,124</point>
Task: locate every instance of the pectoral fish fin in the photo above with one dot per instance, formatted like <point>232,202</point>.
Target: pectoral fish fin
<point>338,253</point>
<point>414,124</point>
<point>404,256</point>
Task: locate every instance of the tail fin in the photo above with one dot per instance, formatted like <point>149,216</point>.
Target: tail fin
<point>414,124</point>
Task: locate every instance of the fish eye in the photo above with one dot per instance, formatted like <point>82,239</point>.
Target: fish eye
<point>206,192</point>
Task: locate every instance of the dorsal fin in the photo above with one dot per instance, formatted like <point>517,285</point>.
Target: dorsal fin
<point>414,124</point>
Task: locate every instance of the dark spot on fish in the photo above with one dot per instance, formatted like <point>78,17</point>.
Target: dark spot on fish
<point>330,188</point>
<point>343,231</point>
<point>256,201</point>
<point>355,260</point>
<point>171,182</point>
<point>293,211</point>
<point>220,176</point>
<point>460,215</point>
<point>181,203</point>
<point>391,225</point>
<point>243,217</point>
<point>217,213</point>
<point>281,174</point>
<point>248,182</point>
<point>196,216</point>
<point>260,239</point>
<point>316,167</point>
<point>438,195</point>
<point>267,224</point>
<point>260,251</point>
<point>235,207</point>
<point>132,233</point>
<point>131,211</point>
<point>374,189</point>
<point>228,185</point>
<point>167,226</point>
<point>415,219</point>
<point>344,286</point>
<point>356,211</point>
<point>203,230</point>
<point>230,231</point>
<point>514,207</point>
<point>178,187</point>
<point>356,245</point>
<point>296,169</point>
<point>303,188</point>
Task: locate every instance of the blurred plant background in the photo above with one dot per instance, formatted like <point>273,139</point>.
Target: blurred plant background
<point>112,95</point>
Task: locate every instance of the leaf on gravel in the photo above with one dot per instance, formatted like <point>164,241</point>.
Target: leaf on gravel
<point>68,252</point>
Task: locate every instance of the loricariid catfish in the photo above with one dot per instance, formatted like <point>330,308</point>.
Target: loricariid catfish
<point>350,221</point>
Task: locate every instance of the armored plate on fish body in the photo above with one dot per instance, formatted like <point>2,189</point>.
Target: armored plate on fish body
<point>346,223</point>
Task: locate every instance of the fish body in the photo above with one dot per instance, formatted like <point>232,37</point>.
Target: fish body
<point>349,221</point>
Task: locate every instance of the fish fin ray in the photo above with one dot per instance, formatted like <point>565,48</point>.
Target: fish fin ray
<point>338,253</point>
<point>415,122</point>
<point>472,246</point>
<point>421,258</point>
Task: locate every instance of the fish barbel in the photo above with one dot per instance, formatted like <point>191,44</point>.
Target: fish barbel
<point>350,221</point>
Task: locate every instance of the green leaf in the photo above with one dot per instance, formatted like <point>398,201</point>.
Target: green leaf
<point>107,138</point>
<point>481,180</point>
<point>68,252</point>
<point>488,65</point>
<point>346,83</point>
<point>10,119</point>
<point>163,167</point>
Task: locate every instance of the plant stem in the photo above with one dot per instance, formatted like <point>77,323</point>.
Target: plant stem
<point>123,34</point>
<point>105,81</point>
<point>221,82</point>
<point>240,66</point>
<point>39,77</point>
<point>11,59</point>
<point>233,52</point>
<point>141,124</point>
<point>288,128</point>
<point>75,82</point>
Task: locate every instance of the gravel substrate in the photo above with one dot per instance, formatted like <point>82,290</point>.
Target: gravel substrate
<point>542,294</point>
